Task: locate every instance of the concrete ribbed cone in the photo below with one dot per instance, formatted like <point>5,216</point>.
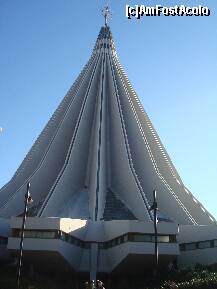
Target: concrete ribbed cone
<point>99,156</point>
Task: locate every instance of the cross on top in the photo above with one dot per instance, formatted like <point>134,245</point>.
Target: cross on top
<point>106,12</point>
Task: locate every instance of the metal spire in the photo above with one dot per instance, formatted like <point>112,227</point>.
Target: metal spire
<point>106,12</point>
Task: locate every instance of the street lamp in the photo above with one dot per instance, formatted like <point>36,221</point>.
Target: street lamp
<point>28,200</point>
<point>154,209</point>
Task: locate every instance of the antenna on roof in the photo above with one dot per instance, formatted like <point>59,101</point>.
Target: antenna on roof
<point>106,12</point>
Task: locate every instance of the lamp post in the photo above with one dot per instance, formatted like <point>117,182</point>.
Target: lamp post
<point>28,200</point>
<point>154,209</point>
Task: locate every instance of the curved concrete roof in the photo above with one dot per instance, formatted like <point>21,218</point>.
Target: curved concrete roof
<point>99,156</point>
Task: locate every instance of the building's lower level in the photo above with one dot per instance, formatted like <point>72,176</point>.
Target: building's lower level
<point>107,246</point>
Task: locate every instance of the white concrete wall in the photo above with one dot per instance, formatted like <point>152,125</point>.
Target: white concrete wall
<point>118,253</point>
<point>70,226</point>
<point>70,252</point>
<point>114,229</point>
<point>4,227</point>
<point>201,256</point>
<point>4,232</point>
<point>189,234</point>
<point>100,231</point>
<point>94,232</point>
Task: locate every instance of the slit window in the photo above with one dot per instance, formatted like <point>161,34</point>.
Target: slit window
<point>190,246</point>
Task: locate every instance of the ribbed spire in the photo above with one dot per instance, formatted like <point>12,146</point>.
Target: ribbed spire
<point>105,33</point>
<point>105,42</point>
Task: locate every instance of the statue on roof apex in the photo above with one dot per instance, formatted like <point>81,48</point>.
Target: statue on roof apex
<point>106,12</point>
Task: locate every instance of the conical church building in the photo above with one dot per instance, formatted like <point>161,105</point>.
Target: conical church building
<point>92,171</point>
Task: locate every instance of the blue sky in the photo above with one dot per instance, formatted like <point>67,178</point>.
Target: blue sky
<point>171,62</point>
